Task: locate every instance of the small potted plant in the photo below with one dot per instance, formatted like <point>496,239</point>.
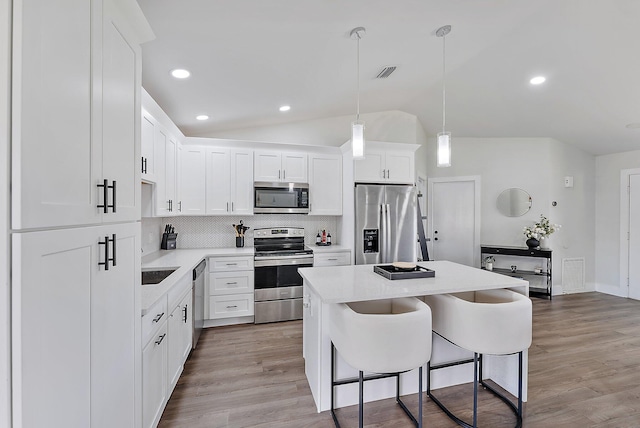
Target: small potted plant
<point>488,263</point>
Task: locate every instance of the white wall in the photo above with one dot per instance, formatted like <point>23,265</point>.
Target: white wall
<point>5,294</point>
<point>607,208</point>
<point>393,126</point>
<point>538,166</point>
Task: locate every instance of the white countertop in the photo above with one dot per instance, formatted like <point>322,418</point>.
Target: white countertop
<point>342,284</point>
<point>333,248</point>
<point>184,260</point>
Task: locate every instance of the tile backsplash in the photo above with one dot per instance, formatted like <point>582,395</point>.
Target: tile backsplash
<point>217,231</point>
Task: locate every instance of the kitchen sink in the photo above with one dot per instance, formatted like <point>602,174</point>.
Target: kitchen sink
<point>155,276</point>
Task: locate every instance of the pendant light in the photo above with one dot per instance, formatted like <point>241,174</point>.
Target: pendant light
<point>444,138</point>
<point>357,127</point>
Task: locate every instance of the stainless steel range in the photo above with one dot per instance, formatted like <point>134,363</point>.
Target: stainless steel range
<point>279,252</point>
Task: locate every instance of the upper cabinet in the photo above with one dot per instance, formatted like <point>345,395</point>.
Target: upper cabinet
<point>166,162</point>
<point>386,166</point>
<point>160,164</point>
<point>275,166</point>
<point>325,184</point>
<point>147,161</point>
<point>192,180</point>
<point>77,78</point>
<point>229,181</point>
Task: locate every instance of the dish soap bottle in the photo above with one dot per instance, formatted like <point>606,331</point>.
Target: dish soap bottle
<point>318,238</point>
<point>324,236</point>
<point>328,238</point>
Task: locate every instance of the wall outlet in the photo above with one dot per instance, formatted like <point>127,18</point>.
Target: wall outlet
<point>568,182</point>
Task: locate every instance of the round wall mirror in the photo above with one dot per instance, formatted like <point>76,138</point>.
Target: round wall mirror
<point>513,202</point>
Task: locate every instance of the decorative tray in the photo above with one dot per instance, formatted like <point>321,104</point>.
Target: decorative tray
<point>392,272</point>
<point>323,245</point>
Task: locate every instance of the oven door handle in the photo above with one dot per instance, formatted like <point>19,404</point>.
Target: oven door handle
<point>259,262</point>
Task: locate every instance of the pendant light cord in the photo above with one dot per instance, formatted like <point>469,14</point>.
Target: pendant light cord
<point>358,77</point>
<point>444,102</point>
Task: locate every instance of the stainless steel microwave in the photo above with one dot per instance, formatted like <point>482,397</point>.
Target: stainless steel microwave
<point>280,198</point>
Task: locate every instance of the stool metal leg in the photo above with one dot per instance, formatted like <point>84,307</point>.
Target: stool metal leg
<point>361,379</point>
<point>477,372</point>
<point>475,389</point>
<point>333,376</point>
<point>361,400</point>
<point>420,397</point>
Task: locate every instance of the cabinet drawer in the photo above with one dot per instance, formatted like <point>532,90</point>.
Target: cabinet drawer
<point>233,305</point>
<point>230,282</point>
<point>332,259</point>
<point>154,318</point>
<point>217,264</point>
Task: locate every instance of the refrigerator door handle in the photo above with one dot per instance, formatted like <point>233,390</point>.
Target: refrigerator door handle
<point>381,242</point>
<point>387,239</point>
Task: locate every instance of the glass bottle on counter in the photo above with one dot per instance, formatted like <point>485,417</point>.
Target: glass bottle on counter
<point>328,238</point>
<point>318,238</point>
<point>324,236</point>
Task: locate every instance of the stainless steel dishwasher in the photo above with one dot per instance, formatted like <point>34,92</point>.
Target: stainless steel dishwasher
<point>198,301</point>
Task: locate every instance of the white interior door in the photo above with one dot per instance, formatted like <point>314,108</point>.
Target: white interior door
<point>454,225</point>
<point>634,236</point>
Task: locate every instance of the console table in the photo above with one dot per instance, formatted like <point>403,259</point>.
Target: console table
<point>535,289</point>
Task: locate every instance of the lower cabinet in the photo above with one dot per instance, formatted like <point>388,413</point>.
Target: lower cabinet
<point>230,288</point>
<point>154,377</point>
<point>167,330</point>
<point>180,335</point>
<point>342,258</point>
<point>75,328</point>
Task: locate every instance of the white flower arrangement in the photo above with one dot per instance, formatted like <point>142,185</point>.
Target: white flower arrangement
<point>541,229</point>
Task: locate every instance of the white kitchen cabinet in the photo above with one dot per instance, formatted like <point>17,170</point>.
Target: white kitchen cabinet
<point>325,184</point>
<point>341,258</point>
<point>273,166</point>
<point>230,287</point>
<point>229,181</point>
<point>148,148</point>
<point>166,149</point>
<point>180,330</point>
<point>84,318</point>
<point>385,166</point>
<point>154,377</point>
<point>76,77</point>
<point>193,180</point>
<point>241,182</point>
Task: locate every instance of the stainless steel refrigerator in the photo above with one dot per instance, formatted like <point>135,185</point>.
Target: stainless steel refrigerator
<point>386,224</point>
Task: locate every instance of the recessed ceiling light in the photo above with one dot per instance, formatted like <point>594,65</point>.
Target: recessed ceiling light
<point>180,73</point>
<point>537,80</point>
<point>634,125</point>
<point>285,108</point>
<point>202,117</point>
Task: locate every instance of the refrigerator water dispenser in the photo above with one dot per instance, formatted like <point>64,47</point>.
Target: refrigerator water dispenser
<point>370,243</point>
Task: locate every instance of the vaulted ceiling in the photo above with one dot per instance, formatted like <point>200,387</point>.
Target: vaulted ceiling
<point>249,57</point>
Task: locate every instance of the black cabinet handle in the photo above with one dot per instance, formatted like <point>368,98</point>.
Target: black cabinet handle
<point>185,312</point>
<point>160,339</point>
<point>105,196</point>
<point>142,165</point>
<point>108,259</point>
<point>180,206</point>
<point>158,317</point>
<point>113,247</point>
<point>113,196</point>
<point>105,189</point>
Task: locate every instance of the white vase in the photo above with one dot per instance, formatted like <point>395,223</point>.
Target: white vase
<point>545,243</point>
<point>489,266</point>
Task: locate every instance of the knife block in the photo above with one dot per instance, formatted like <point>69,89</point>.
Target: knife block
<point>168,241</point>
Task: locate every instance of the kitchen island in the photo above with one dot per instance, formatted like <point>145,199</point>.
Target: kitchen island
<point>326,286</point>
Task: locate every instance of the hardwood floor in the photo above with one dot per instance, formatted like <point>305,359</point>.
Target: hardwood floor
<point>584,371</point>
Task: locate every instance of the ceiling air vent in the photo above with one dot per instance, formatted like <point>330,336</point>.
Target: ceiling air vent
<point>386,72</point>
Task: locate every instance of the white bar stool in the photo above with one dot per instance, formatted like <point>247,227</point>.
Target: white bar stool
<point>383,337</point>
<point>494,322</point>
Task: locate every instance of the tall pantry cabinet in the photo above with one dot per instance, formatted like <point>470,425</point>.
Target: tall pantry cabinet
<point>75,211</point>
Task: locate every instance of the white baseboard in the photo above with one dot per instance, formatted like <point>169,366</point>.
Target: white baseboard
<point>612,290</point>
